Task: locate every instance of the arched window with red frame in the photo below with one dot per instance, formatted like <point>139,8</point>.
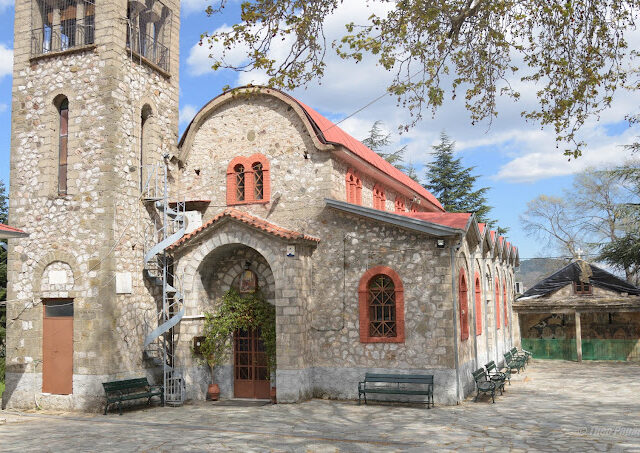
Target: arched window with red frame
<point>497,303</point>
<point>248,180</point>
<point>478,300</point>
<point>463,303</point>
<point>400,204</point>
<point>379,198</point>
<point>381,306</point>
<point>353,187</point>
<point>504,301</point>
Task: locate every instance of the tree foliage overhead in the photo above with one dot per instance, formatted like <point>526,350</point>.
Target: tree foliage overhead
<point>574,51</point>
<point>453,184</point>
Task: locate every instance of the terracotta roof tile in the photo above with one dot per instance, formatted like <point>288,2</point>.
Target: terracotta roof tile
<point>330,133</point>
<point>9,231</point>
<point>248,219</point>
<point>457,220</point>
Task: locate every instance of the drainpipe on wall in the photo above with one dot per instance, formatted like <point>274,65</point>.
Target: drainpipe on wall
<point>486,310</point>
<point>454,298</point>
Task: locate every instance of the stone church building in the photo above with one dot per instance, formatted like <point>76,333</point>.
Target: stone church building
<point>134,234</point>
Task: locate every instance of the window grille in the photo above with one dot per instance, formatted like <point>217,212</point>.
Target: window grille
<point>382,307</point>
<point>258,179</point>
<point>61,25</point>
<point>149,31</point>
<point>239,170</point>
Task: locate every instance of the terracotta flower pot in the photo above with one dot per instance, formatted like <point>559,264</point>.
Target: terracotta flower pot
<point>213,392</point>
<point>273,395</point>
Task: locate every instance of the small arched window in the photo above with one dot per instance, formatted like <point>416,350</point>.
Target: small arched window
<point>63,136</point>
<point>379,198</point>
<point>353,187</point>
<point>400,204</point>
<point>497,303</point>
<point>463,303</point>
<point>478,300</point>
<point>504,301</point>
<point>381,300</point>
<point>145,114</point>
<point>238,170</point>
<point>248,180</point>
<point>258,181</point>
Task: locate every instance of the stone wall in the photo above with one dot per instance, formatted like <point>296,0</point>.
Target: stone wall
<point>98,226</point>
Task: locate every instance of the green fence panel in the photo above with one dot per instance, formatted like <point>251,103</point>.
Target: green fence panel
<point>592,349</point>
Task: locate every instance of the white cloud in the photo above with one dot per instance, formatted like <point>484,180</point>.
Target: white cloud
<point>3,107</point>
<point>199,60</point>
<point>186,113</point>
<point>5,4</point>
<point>189,6</point>
<point>6,59</point>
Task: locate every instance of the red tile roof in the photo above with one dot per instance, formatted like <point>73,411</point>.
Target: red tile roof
<point>481,227</point>
<point>457,220</point>
<point>250,220</point>
<point>10,230</point>
<point>330,133</point>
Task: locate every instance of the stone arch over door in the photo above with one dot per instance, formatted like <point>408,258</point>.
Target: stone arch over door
<point>285,290</point>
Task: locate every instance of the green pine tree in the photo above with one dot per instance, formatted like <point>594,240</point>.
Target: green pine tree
<point>453,184</point>
<point>378,141</point>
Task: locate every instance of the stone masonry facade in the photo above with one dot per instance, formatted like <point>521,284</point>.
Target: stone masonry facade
<point>88,245</point>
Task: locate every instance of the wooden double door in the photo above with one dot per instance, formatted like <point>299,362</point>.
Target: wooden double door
<point>251,379</point>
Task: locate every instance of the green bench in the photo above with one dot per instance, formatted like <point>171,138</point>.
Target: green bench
<point>512,363</point>
<point>486,385</point>
<point>397,384</point>
<point>130,389</point>
<point>496,375</point>
<point>525,355</point>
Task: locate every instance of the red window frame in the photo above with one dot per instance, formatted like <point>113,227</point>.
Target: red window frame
<point>379,198</point>
<point>504,300</point>
<point>364,305</point>
<point>463,303</point>
<point>251,165</point>
<point>353,186</point>
<point>497,303</point>
<point>478,297</point>
<point>63,138</point>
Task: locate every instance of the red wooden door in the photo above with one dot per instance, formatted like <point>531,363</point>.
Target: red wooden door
<point>57,347</point>
<point>250,365</point>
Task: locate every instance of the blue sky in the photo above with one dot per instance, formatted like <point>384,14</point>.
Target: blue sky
<point>517,160</point>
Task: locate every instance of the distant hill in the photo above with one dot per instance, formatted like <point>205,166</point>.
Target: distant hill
<point>531,271</point>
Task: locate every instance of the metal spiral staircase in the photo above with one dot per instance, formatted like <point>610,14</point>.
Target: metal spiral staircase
<point>169,225</point>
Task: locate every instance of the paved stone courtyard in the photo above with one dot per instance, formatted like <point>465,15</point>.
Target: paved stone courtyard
<point>553,406</point>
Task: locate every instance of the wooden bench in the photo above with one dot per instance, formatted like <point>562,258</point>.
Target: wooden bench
<point>390,384</point>
<point>130,389</point>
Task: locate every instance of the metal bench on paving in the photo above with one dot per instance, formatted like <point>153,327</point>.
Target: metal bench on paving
<point>485,385</point>
<point>496,375</point>
<point>130,389</point>
<point>397,384</point>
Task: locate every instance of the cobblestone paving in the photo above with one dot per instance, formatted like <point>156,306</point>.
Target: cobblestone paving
<point>552,406</point>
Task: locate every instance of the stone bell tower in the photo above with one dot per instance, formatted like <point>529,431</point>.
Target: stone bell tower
<point>95,101</point>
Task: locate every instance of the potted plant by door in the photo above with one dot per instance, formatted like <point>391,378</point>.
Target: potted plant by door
<point>213,348</point>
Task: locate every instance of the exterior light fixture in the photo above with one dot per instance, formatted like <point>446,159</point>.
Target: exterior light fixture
<point>440,243</point>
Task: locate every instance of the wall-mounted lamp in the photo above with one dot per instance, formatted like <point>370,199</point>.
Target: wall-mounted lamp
<point>440,243</point>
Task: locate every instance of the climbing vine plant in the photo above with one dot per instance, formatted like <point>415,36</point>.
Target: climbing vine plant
<point>238,311</point>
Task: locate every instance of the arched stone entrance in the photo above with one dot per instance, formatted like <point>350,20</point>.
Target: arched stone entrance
<point>242,268</point>
<point>211,261</point>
